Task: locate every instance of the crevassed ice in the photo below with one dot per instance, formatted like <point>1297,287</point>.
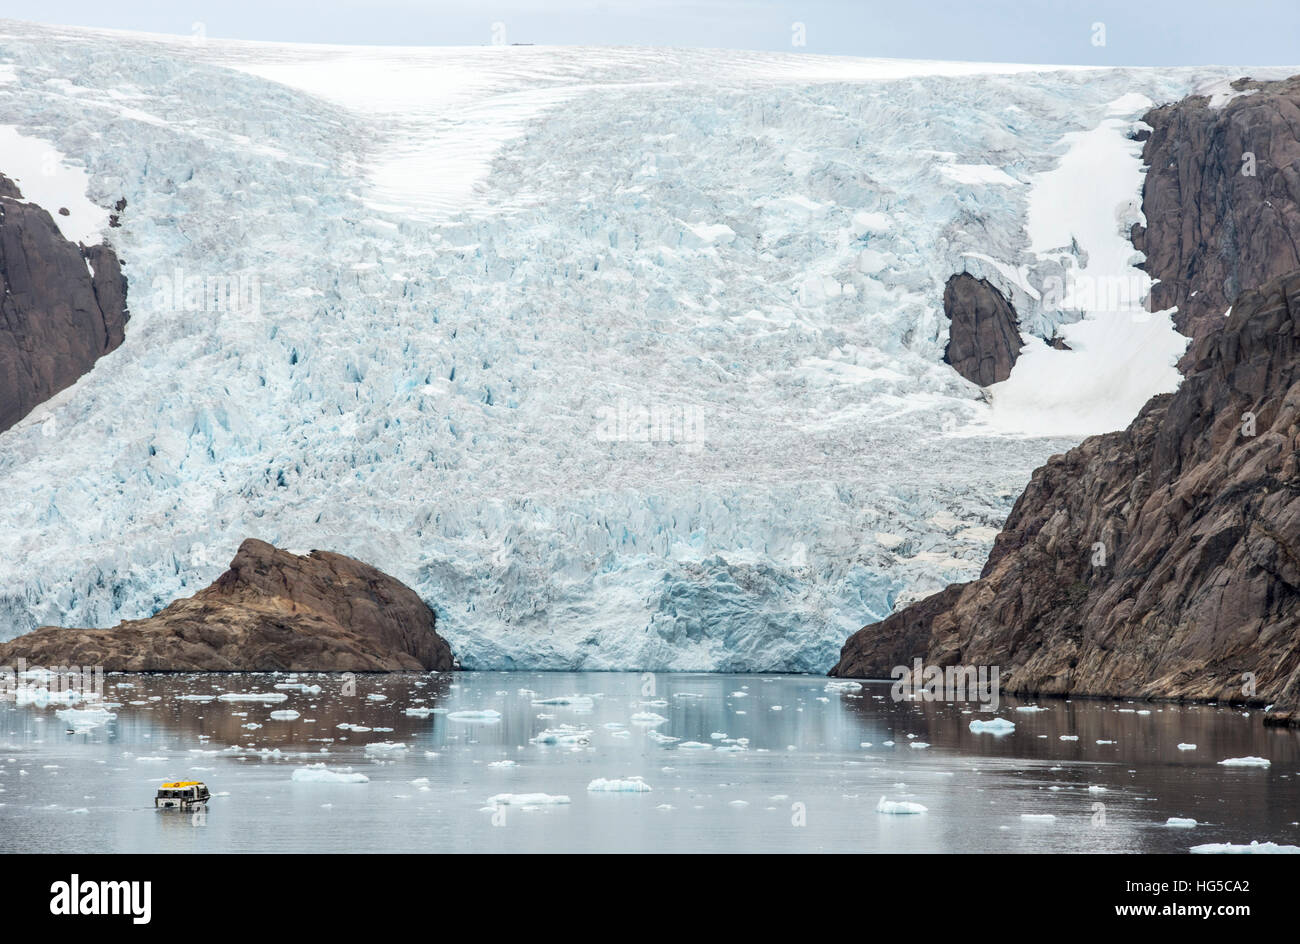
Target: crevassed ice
<point>640,369</point>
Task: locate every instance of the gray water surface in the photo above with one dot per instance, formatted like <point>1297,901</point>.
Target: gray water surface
<point>785,766</point>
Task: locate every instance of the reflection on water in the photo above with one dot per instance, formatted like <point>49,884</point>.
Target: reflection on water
<point>732,762</point>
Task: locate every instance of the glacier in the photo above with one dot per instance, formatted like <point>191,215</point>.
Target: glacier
<point>622,358</point>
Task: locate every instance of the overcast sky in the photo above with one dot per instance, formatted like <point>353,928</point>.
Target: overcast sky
<point>1099,32</point>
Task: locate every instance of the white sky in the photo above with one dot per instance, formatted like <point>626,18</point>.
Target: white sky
<point>1137,32</point>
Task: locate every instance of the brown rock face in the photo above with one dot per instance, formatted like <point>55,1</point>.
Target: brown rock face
<point>983,338</point>
<point>1163,560</point>
<point>1222,199</point>
<point>56,318</point>
<point>270,611</point>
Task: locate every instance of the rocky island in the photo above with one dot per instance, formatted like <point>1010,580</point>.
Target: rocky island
<point>271,611</point>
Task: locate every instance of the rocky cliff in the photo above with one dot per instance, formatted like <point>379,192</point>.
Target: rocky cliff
<point>272,610</point>
<point>983,332</point>
<point>62,307</point>
<point>1164,560</point>
<point>1221,199</point>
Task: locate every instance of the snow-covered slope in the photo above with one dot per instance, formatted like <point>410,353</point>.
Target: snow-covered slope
<point>622,358</point>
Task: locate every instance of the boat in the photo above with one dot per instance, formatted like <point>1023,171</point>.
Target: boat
<point>182,795</point>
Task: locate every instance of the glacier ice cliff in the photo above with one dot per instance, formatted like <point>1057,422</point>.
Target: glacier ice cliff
<point>620,358</point>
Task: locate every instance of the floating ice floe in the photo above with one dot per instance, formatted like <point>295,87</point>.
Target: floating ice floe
<point>648,718</point>
<point>630,785</point>
<point>288,714</point>
<point>527,799</point>
<point>1030,708</point>
<point>843,686</point>
<point>1180,822</point>
<point>386,747</point>
<point>503,763</point>
<point>694,746</point>
<point>1038,817</point>
<point>1187,747</point>
<point>419,712</point>
<point>919,745</point>
<point>661,738</point>
<point>898,806</point>
<point>299,687</point>
<point>482,716</point>
<point>992,726</point>
<point>319,773</point>
<point>1255,848</point>
<point>576,702</point>
<point>564,734</point>
<point>1069,737</point>
<point>253,696</point>
<point>1245,762</point>
<point>83,719</point>
<point>195,697</point>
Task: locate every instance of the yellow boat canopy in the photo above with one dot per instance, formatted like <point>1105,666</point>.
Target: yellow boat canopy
<point>180,784</point>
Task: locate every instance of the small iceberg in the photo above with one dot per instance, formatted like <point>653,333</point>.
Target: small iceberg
<point>993,726</point>
<point>630,785</point>
<point>83,719</point>
<point>386,747</point>
<point>576,702</point>
<point>527,799</point>
<point>319,773</point>
<point>253,696</point>
<point>564,734</point>
<point>845,686</point>
<point>1245,762</point>
<point>1180,822</point>
<point>484,716</point>
<point>288,714</point>
<point>1187,747</point>
<point>1038,817</point>
<point>1255,848</point>
<point>694,746</point>
<point>898,806</point>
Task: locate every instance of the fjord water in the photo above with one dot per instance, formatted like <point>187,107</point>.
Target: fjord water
<point>789,766</point>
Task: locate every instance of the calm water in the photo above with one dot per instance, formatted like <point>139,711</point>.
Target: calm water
<point>786,769</point>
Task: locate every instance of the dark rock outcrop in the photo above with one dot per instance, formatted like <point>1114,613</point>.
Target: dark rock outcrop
<point>56,317</point>
<point>1161,561</point>
<point>1221,199</point>
<point>272,610</point>
<point>983,337</point>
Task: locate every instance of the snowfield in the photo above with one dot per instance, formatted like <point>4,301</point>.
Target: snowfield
<point>625,359</point>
